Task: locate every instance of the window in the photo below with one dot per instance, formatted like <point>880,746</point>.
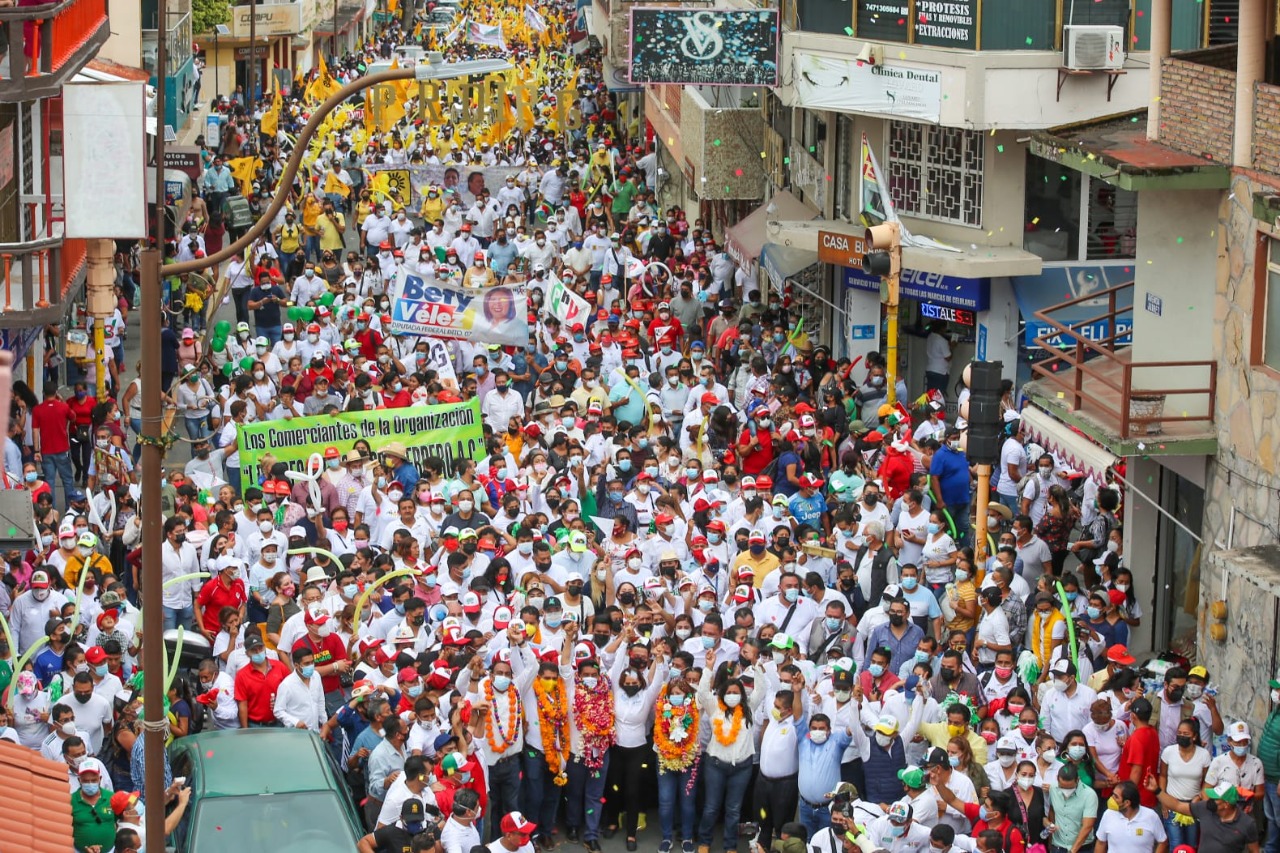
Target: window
<point>1072,217</point>
<point>936,172</point>
<point>1266,329</point>
<point>815,135</point>
<point>846,151</point>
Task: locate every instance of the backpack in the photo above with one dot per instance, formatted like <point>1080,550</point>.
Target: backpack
<point>1032,477</point>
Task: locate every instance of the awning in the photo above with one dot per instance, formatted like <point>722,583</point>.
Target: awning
<point>1065,443</point>
<point>615,78</point>
<point>744,240</point>
<point>782,262</point>
<point>1061,283</point>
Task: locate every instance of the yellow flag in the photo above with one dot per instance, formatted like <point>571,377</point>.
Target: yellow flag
<point>324,85</point>
<point>334,184</point>
<point>271,121</point>
<point>243,170</point>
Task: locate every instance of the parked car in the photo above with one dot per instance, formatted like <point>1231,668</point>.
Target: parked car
<point>262,791</point>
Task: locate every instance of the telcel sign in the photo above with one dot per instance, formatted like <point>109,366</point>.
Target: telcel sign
<point>933,311</point>
<point>842,250</point>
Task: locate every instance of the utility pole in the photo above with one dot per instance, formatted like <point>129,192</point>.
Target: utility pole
<point>884,259</point>
<point>253,56</point>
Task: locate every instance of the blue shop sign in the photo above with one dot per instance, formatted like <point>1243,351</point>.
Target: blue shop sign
<point>1090,332</point>
<point>973,294</point>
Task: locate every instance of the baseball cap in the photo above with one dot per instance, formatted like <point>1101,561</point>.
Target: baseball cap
<point>1224,792</point>
<point>887,724</point>
<point>912,777</point>
<point>1119,653</point>
<point>900,812</point>
<point>470,603</point>
<point>1238,730</point>
<point>122,800</point>
<point>516,822</point>
<point>502,617</point>
<point>936,757</point>
<point>40,580</point>
<point>253,641</point>
<point>411,811</point>
<point>782,641</point>
<point>1006,744</point>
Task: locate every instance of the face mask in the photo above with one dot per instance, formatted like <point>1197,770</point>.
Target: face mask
<point>909,583</point>
<point>819,737</point>
<point>1194,691</point>
<point>961,575</point>
<point>553,621</point>
<point>896,831</point>
<point>1003,673</point>
<point>733,700</point>
<point>1049,756</point>
<point>501,683</point>
<point>465,506</point>
<point>1028,730</point>
<point>833,623</point>
<point>414,691</point>
<point>1093,612</point>
<point>589,682</point>
<point>324,630</point>
<point>266,527</point>
<point>1185,741</point>
<point>792,595</point>
<point>350,590</point>
<point>1240,750</point>
<point>90,789</point>
<point>1075,752</point>
<point>676,700</point>
<point>897,620</point>
<point>308,671</point>
<point>876,670</point>
<point>1175,694</point>
<point>884,740</point>
<point>1007,760</point>
<point>1025,782</point>
<point>258,657</point>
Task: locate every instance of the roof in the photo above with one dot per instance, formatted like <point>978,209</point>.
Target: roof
<point>124,72</point>
<point>34,785</point>
<point>1117,150</point>
<point>279,757</point>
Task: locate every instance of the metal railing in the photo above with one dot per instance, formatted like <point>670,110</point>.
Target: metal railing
<point>1082,367</point>
<point>39,43</point>
<point>36,278</point>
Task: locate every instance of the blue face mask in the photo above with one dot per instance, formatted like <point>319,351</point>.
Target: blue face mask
<point>616,497</point>
<point>792,595</point>
<point>643,443</point>
<point>708,642</point>
<point>399,608</point>
<point>624,464</point>
<point>921,657</point>
<point>651,470</point>
<point>933,527</point>
<point>350,590</point>
<point>100,670</point>
<point>414,828</point>
<point>1094,612</point>
<point>896,831</point>
<point>90,789</point>
<point>715,538</point>
<point>553,621</point>
<point>677,701</point>
<point>308,671</point>
<point>1071,596</point>
<point>908,583</point>
<point>691,473</point>
<point>833,623</point>
<point>429,582</point>
<point>501,683</point>
<point>258,657</point>
<point>414,691</point>
<point>876,669</point>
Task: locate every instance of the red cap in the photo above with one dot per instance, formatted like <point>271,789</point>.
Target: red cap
<point>663,518</point>
<point>808,481</point>
<point>407,674</point>
<point>514,822</point>
<point>1119,653</point>
<point>764,482</point>
<point>331,452</point>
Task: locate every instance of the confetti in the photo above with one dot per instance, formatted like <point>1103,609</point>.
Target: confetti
<point>737,172</point>
<point>1030,40</point>
<point>993,131</point>
<point>1000,149</point>
<point>764,155</point>
<point>716,143</point>
<point>209,754</point>
<point>786,161</point>
<point>1134,119</point>
<point>1035,221</point>
<point>1179,241</point>
<point>848,31</point>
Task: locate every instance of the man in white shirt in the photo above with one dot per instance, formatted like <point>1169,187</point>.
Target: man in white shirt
<point>517,834</point>
<point>92,713</point>
<point>1066,706</point>
<point>459,834</point>
<point>299,702</point>
<point>776,801</point>
<point>1131,827</point>
<point>1013,466</point>
<point>792,613</point>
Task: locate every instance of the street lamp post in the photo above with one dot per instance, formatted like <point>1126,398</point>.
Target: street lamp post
<point>152,436</point>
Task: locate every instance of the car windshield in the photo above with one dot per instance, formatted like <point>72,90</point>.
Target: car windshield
<point>312,822</point>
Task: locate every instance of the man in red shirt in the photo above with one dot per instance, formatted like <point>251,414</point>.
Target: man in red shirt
<point>330,652</point>
<point>256,684</point>
<point>51,423</point>
<point>755,444</point>
<point>1141,755</point>
<point>226,589</point>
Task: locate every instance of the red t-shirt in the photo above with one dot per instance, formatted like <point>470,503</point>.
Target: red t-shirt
<point>214,596</point>
<point>330,649</point>
<point>82,408</point>
<point>757,460</point>
<point>1013,840</point>
<point>1141,749</point>
<point>259,689</point>
<point>52,419</point>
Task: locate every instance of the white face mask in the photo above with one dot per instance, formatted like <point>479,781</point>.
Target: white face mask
<point>266,527</point>
<point>465,506</point>
<point>733,700</point>
<point>1007,760</point>
<point>884,740</point>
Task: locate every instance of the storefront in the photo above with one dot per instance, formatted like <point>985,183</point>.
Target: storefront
<point>229,57</point>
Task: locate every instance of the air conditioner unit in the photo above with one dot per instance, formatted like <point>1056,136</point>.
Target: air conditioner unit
<point>1087,47</point>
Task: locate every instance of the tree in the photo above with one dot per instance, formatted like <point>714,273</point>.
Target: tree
<point>206,14</point>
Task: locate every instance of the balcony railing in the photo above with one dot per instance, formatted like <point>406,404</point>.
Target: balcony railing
<point>1099,380</point>
<point>37,279</point>
<point>42,46</point>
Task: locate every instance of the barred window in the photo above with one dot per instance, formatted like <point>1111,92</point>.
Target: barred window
<point>936,172</point>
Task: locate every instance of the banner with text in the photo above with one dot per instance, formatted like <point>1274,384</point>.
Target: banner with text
<point>847,85</point>
<point>494,315</point>
<point>452,431</point>
<point>567,306</point>
<point>465,180</point>
<point>709,47</point>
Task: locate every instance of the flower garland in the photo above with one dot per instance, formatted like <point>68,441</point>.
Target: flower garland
<point>675,733</point>
<point>594,712</point>
<point>509,732</point>
<point>553,716</point>
<point>717,725</point>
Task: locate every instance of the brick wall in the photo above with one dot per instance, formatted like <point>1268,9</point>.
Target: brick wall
<point>1197,109</point>
<point>1266,128</point>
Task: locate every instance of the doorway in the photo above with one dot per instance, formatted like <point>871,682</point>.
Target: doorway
<point>1178,556</point>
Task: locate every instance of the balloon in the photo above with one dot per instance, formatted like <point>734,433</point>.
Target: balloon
<point>964,377</point>
<point>229,369</point>
<point>327,299</point>
<point>221,329</point>
<point>305,314</point>
<point>292,313</point>
<point>246,363</point>
<point>964,410</point>
<point>219,344</point>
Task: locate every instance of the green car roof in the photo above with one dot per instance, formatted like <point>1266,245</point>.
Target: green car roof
<point>247,762</point>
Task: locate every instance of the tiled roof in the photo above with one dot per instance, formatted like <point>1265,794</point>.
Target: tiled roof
<point>33,786</point>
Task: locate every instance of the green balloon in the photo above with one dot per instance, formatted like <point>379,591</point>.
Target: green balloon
<point>292,313</point>
<point>327,299</point>
<point>219,344</point>
<point>229,369</point>
<point>246,363</point>
<point>305,314</point>
<point>222,328</point>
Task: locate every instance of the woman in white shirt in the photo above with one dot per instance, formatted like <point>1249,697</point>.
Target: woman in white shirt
<point>938,555</point>
<point>1106,737</point>
<point>731,750</point>
<point>634,692</point>
<point>1182,768</point>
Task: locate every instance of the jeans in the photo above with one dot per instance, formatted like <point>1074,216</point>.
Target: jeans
<point>539,795</point>
<point>936,381</point>
<point>135,424</point>
<point>273,334</point>
<point>504,790</point>
<point>240,296</point>
<point>197,428</point>
<point>673,788</point>
<point>58,465</point>
<point>725,784</point>
<point>311,246</point>
<point>960,517</point>
<point>1011,501</point>
<point>1271,808</point>
<point>1180,834</point>
<point>814,818</point>
<point>233,477</point>
<point>173,617</point>
<point>586,798</point>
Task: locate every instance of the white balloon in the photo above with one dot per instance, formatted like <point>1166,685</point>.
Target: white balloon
<point>964,377</point>
<point>964,410</point>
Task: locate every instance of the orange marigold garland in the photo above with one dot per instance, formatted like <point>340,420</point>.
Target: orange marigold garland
<point>675,733</point>
<point>491,724</point>
<point>593,710</point>
<point>717,726</point>
<point>553,717</point>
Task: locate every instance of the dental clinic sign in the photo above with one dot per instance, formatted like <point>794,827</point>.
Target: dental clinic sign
<point>970,294</point>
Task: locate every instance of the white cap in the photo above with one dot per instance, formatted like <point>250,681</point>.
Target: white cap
<point>1238,731</point>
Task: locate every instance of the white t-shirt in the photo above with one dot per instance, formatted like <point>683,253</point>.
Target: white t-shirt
<point>937,353</point>
<point>918,524</point>
<point>1185,777</point>
<point>1011,453</point>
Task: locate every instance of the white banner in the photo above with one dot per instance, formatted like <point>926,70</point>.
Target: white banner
<point>565,305</point>
<point>847,85</point>
<point>103,159</point>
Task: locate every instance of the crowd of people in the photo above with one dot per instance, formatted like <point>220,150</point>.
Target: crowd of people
<point>704,575</point>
